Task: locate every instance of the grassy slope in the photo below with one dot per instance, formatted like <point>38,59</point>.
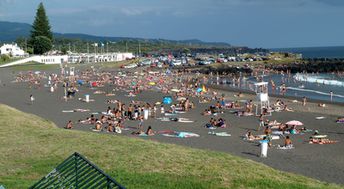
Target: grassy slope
<point>29,66</point>
<point>31,147</point>
<point>9,61</point>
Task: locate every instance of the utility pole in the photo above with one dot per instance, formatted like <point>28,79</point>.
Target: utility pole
<point>126,46</point>
<point>139,49</point>
<point>88,54</point>
<point>107,47</point>
<point>25,45</point>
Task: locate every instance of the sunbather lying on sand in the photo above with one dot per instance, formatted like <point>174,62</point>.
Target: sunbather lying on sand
<point>340,120</point>
<point>287,109</point>
<point>99,92</point>
<point>273,123</point>
<point>322,105</point>
<point>321,141</point>
<point>109,94</point>
<point>243,113</point>
<point>206,112</point>
<point>86,121</point>
<point>138,132</point>
<point>250,136</point>
<point>112,101</point>
<point>239,95</point>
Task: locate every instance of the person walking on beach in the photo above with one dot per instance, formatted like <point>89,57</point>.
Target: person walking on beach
<point>140,125</point>
<point>261,121</point>
<point>32,99</point>
<point>304,101</point>
<point>331,95</point>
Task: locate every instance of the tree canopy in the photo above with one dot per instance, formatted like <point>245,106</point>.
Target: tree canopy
<point>41,44</point>
<point>41,30</point>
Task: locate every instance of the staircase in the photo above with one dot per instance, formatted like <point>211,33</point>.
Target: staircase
<point>77,172</point>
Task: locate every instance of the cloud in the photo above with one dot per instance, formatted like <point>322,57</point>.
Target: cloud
<point>5,1</point>
<point>66,11</point>
<point>131,11</point>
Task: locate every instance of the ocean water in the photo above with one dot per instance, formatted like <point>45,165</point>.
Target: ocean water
<point>312,86</point>
<point>315,52</point>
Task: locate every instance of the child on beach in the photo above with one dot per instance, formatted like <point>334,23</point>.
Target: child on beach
<point>287,142</point>
<point>139,127</point>
<point>32,99</point>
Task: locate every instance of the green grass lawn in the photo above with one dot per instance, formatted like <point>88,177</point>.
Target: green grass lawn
<point>34,66</point>
<point>117,64</point>
<point>31,147</point>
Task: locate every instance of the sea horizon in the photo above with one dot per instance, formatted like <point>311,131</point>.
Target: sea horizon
<point>315,52</point>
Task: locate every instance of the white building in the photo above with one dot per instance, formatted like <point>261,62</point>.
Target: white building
<point>12,50</point>
<point>52,59</point>
<point>58,59</point>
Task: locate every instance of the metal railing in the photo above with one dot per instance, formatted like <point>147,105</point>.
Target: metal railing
<point>77,172</point>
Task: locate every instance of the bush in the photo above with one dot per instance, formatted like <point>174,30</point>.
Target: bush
<point>4,57</point>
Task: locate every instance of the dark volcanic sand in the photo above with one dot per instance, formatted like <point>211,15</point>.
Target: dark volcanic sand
<point>323,162</point>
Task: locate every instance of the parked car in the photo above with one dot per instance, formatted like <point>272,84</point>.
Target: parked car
<point>146,62</point>
<point>204,62</point>
<point>176,63</point>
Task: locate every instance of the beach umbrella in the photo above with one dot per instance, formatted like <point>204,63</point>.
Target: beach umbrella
<point>167,100</point>
<point>204,89</point>
<point>80,82</point>
<point>152,83</point>
<point>94,84</point>
<point>199,90</point>
<point>294,122</point>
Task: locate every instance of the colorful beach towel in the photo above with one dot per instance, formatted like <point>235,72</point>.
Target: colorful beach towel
<point>182,135</point>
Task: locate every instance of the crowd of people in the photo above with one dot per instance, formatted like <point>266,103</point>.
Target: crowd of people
<point>180,86</point>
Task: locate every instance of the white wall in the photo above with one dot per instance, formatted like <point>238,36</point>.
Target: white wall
<point>52,59</point>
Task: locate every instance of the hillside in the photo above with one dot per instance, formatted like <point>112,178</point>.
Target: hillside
<point>10,31</point>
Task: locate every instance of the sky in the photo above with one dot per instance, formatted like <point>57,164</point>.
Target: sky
<point>252,23</point>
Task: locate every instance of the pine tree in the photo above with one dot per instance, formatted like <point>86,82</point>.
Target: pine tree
<point>41,27</point>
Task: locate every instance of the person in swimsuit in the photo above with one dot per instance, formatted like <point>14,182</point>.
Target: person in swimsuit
<point>150,131</point>
<point>69,125</point>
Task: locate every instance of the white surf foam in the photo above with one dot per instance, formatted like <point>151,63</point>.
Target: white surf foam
<point>314,91</point>
<point>318,79</point>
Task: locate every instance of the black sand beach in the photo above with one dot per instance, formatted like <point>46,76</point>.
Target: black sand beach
<point>323,162</point>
